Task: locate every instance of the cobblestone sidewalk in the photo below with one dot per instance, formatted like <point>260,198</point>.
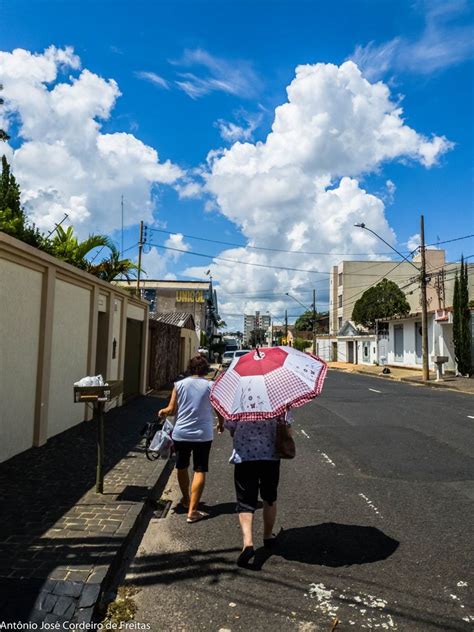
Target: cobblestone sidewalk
<point>59,540</point>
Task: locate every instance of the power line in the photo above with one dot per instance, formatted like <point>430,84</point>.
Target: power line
<point>250,263</point>
<point>302,252</point>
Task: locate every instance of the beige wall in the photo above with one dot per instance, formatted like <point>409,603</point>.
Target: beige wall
<point>19,340</point>
<point>191,344</point>
<point>49,339</point>
<point>68,354</point>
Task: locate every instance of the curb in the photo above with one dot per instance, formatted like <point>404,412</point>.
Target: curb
<point>406,380</point>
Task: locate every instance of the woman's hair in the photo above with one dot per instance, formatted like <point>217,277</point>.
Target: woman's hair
<point>198,366</point>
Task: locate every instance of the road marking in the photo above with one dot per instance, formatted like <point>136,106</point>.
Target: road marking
<point>326,458</point>
<point>471,416</point>
<point>374,390</point>
<point>370,504</point>
<point>306,435</point>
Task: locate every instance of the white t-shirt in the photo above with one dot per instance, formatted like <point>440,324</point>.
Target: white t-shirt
<point>194,421</point>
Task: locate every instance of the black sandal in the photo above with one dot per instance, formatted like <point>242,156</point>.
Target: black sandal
<point>245,557</point>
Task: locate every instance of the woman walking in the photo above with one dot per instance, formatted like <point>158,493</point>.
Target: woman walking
<point>254,396</point>
<point>256,471</point>
<point>192,433</point>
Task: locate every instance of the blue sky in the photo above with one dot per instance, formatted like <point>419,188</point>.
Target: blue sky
<point>186,70</point>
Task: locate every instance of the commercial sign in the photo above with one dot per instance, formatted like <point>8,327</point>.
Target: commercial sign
<point>190,296</point>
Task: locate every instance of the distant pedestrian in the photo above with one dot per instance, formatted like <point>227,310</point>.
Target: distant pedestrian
<point>192,433</point>
<point>256,471</point>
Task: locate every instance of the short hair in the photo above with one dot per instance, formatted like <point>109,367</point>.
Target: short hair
<point>198,366</point>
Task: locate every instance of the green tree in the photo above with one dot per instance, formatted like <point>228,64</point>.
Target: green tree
<point>3,135</point>
<point>113,266</point>
<point>305,321</point>
<point>301,344</point>
<point>257,337</point>
<point>13,219</point>
<point>384,300</point>
<point>462,321</point>
<point>66,246</point>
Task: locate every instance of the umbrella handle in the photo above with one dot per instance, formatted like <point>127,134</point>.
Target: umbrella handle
<point>258,352</point>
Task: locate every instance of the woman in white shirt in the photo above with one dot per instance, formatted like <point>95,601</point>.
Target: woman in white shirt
<point>193,432</point>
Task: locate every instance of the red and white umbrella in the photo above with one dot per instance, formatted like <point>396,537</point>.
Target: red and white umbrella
<point>265,383</point>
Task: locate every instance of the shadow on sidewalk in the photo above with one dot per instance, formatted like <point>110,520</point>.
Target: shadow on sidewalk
<point>47,488</point>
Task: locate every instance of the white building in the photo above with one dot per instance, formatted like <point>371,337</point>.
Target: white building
<point>350,279</point>
<point>404,341</point>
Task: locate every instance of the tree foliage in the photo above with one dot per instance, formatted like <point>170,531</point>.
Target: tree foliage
<point>65,245</point>
<point>3,135</point>
<point>257,337</point>
<point>462,321</point>
<point>13,219</point>
<point>301,344</point>
<point>305,321</point>
<point>384,300</point>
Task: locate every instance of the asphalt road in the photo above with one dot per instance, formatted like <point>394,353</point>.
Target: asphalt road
<point>377,523</point>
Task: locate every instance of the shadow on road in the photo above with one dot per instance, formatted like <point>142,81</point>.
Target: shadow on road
<point>333,544</point>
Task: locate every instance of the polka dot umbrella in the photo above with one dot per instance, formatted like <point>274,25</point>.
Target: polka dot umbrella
<point>266,382</point>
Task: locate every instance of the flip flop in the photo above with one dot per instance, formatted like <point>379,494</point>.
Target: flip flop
<point>201,516</point>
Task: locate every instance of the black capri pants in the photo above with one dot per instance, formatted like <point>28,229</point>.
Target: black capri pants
<point>200,451</point>
<point>252,477</point>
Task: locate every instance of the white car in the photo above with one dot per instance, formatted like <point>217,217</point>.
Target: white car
<point>230,355</point>
<point>227,358</point>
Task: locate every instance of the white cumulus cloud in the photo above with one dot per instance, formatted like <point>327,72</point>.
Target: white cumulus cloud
<point>65,163</point>
<point>299,190</point>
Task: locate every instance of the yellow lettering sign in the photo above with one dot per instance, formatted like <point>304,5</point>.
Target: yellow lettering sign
<point>189,296</point>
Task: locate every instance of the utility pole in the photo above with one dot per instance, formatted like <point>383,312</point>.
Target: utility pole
<point>121,204</point>
<point>286,326</point>
<point>314,322</point>
<point>140,249</point>
<point>424,304</point>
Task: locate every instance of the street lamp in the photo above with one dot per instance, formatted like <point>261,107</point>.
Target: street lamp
<point>423,283</point>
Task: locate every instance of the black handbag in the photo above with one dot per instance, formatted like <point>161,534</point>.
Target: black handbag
<point>285,444</point>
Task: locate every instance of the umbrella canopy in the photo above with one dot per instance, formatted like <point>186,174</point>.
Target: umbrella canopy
<point>265,383</point>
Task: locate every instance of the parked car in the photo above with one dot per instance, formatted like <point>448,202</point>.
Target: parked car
<point>227,358</point>
<point>240,353</point>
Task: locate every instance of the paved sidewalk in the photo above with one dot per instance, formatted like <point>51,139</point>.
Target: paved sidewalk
<point>461,384</point>
<point>59,540</point>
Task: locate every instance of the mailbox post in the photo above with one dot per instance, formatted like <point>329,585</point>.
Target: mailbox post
<point>97,396</point>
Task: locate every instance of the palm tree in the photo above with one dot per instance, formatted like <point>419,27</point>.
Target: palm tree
<point>66,246</point>
<point>112,267</point>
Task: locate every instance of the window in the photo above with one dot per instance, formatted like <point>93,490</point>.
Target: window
<point>366,349</point>
<point>339,322</point>
<point>339,300</point>
<point>339,276</point>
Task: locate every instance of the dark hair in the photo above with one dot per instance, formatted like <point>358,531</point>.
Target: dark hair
<point>198,366</point>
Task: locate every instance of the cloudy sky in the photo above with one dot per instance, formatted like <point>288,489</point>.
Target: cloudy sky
<point>249,136</point>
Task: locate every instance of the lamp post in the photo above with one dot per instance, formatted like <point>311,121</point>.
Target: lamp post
<point>423,283</point>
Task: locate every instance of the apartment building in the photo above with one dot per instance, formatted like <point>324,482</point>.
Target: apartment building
<point>255,321</point>
<point>350,279</point>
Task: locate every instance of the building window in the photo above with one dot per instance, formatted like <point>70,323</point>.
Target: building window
<point>339,300</point>
<point>339,322</point>
<point>339,278</point>
<point>366,351</point>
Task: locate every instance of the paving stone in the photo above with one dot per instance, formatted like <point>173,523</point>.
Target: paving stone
<point>69,588</point>
<point>84,615</point>
<point>62,605</point>
<point>46,601</point>
<point>89,595</point>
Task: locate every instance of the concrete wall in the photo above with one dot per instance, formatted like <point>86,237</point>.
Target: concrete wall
<point>69,354</point>
<point>49,339</point>
<point>191,344</point>
<point>19,339</point>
